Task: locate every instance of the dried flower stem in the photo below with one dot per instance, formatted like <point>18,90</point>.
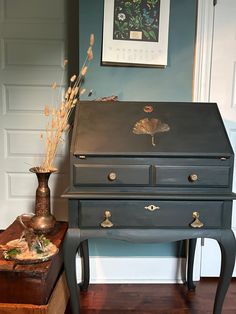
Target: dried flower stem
<point>59,117</point>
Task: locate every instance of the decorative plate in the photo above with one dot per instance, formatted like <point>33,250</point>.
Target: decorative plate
<point>41,250</point>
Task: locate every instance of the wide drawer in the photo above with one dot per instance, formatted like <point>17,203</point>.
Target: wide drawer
<point>196,173</point>
<point>118,175</point>
<point>192,176</point>
<point>152,213</point>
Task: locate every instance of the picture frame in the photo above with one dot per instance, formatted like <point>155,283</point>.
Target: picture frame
<point>135,33</point>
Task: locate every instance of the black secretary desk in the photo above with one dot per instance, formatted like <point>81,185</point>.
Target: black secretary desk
<point>149,172</point>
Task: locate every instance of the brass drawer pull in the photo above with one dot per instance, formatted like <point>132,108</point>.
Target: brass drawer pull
<point>107,223</point>
<point>193,177</point>
<point>112,176</point>
<point>196,223</point>
<point>151,208</point>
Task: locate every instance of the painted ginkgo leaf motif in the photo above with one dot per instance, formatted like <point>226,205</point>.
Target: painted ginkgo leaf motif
<point>150,127</point>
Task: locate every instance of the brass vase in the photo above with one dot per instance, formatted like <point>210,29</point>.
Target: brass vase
<point>43,221</point>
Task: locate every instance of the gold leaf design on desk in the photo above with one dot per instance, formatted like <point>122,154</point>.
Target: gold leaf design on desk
<point>151,127</point>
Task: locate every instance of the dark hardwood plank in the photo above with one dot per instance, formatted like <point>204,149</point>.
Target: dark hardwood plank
<point>154,299</point>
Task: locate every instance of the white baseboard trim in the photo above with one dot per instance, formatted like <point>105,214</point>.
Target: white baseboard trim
<point>135,270</point>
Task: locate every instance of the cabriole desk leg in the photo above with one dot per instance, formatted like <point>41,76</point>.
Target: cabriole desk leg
<point>228,250</point>
<point>70,248</point>
<point>191,253</point>
<point>84,253</point>
<point>224,237</point>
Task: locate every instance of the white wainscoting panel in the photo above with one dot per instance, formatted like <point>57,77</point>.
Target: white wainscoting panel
<point>26,98</point>
<point>23,185</point>
<point>33,11</point>
<point>33,53</point>
<point>134,269</point>
<point>1,11</point>
<point>27,143</point>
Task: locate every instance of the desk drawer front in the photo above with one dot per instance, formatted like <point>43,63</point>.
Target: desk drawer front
<point>117,175</point>
<point>151,213</point>
<point>193,176</point>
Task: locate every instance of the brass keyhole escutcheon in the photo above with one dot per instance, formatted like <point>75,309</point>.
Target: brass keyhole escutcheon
<point>193,177</point>
<point>112,176</point>
<point>107,223</point>
<point>196,223</point>
<point>152,208</point>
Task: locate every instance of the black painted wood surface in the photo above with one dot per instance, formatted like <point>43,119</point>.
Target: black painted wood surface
<point>189,169</point>
<point>105,128</point>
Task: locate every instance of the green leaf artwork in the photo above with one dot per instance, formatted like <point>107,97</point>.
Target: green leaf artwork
<point>136,20</point>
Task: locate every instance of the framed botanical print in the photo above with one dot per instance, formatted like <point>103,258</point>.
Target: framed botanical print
<point>135,32</point>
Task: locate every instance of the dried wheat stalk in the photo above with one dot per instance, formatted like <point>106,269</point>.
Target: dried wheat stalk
<point>59,117</point>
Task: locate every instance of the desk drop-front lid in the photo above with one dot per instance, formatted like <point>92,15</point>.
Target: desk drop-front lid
<point>149,129</point>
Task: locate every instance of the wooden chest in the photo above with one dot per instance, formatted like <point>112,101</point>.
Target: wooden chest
<point>33,283</point>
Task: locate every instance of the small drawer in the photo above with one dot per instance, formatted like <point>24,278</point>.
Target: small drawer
<point>150,213</point>
<point>117,175</point>
<point>193,176</point>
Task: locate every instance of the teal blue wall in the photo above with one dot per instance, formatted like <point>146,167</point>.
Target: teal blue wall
<point>174,83</point>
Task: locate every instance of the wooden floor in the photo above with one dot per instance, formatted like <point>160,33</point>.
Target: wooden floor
<point>154,299</point>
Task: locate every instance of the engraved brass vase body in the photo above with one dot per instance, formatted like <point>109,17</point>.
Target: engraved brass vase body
<point>43,221</point>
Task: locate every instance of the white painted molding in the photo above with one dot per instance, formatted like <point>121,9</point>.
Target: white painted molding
<point>203,51</point>
<point>233,100</point>
<point>146,269</point>
<point>202,76</point>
